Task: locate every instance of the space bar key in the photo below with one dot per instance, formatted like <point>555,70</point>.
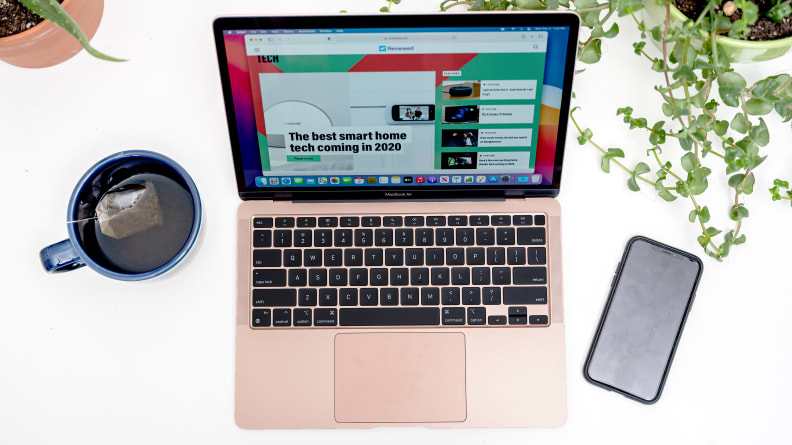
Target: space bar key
<point>401,316</point>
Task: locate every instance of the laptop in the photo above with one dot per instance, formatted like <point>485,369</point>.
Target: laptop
<point>399,245</point>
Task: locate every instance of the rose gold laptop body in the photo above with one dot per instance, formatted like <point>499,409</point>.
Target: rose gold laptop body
<point>438,376</point>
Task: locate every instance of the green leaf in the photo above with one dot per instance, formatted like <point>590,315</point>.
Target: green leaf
<point>712,231</point>
<point>760,133</point>
<point>51,10</point>
<point>692,215</point>
<point>627,111</point>
<point>592,53</point>
<point>779,12</point>
<point>615,153</point>
<point>758,107</point>
<point>641,168</point>
<point>586,136</point>
<point>638,47</point>
<point>689,161</point>
<point>738,212</point>
<point>632,185</point>
<point>730,85</point>
<point>720,127</point>
<point>781,183</point>
<point>605,163</point>
<point>704,215</point>
<point>739,123</point>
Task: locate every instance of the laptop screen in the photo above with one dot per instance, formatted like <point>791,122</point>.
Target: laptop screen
<point>470,106</point>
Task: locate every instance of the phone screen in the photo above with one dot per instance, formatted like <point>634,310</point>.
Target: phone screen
<point>644,317</point>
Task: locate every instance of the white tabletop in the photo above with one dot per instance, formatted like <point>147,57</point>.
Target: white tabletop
<point>84,359</point>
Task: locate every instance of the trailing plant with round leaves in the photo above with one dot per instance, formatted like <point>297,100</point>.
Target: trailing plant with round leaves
<point>719,132</point>
<point>52,10</point>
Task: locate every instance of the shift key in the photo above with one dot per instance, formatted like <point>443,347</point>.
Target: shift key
<point>513,295</point>
<point>269,278</point>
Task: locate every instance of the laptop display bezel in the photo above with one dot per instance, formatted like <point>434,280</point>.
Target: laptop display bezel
<point>433,20</point>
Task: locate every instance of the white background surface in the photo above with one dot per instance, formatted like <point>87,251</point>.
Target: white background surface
<point>84,359</point>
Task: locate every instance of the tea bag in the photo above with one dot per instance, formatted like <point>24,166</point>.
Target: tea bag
<point>128,209</point>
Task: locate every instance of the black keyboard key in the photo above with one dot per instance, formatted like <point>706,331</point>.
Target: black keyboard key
<point>457,220</point>
<point>353,257</point>
<point>435,257</point>
<point>282,238</point>
<point>323,238</point>
<point>267,258</point>
<point>530,275</point>
<point>525,295</point>
<point>262,223</point>
<point>537,319</point>
<point>440,276</point>
<point>262,318</point>
<point>401,316</point>
<point>312,257</point>
<point>485,236</point>
<point>435,220</point>
<point>328,297</point>
<point>479,220</point>
<point>307,297</point>
<point>476,315</point>
<point>338,277</point>
<point>343,237</point>
<point>364,237</point>
<point>444,237</point>
<point>471,296</point>
<point>292,258</point>
<point>389,296</point>
<point>430,296</point>
<point>284,222</point>
<point>518,310</point>
<point>501,220</point>
<point>374,257</point>
<point>480,276</point>
<point>518,319</point>
<point>474,255</point>
<point>453,315</point>
<point>281,317</point>
<point>298,277</point>
<point>262,238</point>
<point>399,276</point>
<point>350,221</point>
<point>328,221</point>
<point>501,275</point>
<point>530,235</point>
<point>358,277</point>
<point>460,276</point>
<point>424,237</point>
<point>409,296</point>
<point>455,256</point>
<point>464,237</point>
<point>539,220</point>
<point>317,277</point>
<point>392,221</point>
<point>522,220</point>
<point>306,221</point>
<point>325,317</point>
<point>383,237</point>
<point>369,296</point>
<point>537,255</point>
<point>404,237</point>
<point>269,277</point>
<point>518,315</point>
<point>394,257</point>
<point>302,238</point>
<point>371,221</point>
<point>496,256</point>
<point>505,236</point>
<point>302,317</point>
<point>348,297</point>
<point>274,297</point>
<point>414,221</point>
<point>450,296</point>
<point>333,257</point>
<point>378,277</point>
<point>419,276</point>
<point>496,319</point>
<point>414,257</point>
<point>491,295</point>
<point>515,256</point>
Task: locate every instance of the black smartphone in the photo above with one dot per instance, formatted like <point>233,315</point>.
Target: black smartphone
<point>650,297</point>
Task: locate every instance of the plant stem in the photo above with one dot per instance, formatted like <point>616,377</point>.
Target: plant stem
<point>601,7</point>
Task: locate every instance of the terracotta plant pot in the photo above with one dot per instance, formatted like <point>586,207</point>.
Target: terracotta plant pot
<point>46,44</point>
<point>740,51</point>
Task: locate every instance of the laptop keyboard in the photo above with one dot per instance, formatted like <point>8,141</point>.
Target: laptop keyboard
<point>435,270</point>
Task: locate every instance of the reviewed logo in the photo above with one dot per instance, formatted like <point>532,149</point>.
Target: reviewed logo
<point>383,48</point>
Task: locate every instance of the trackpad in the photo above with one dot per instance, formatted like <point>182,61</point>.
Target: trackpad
<point>400,377</point>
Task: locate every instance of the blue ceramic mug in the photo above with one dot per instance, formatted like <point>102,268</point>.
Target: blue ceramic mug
<point>71,254</point>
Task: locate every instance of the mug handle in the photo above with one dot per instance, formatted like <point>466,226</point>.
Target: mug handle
<point>60,257</point>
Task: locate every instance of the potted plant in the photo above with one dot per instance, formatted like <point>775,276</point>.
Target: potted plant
<point>42,33</point>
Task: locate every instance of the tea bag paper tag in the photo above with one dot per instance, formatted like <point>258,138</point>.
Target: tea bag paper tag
<point>128,210</point>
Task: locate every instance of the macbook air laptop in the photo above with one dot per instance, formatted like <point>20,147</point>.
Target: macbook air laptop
<point>399,244</point>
